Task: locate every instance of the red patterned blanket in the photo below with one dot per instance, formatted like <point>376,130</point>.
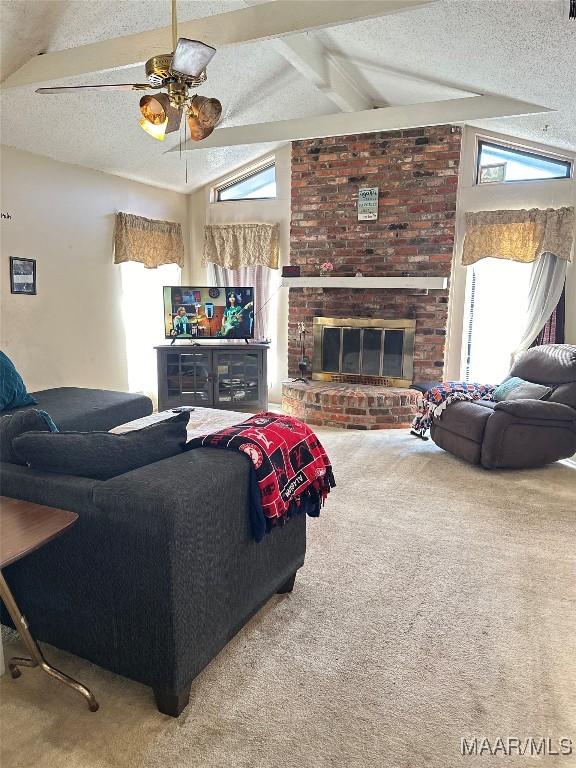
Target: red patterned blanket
<point>291,468</point>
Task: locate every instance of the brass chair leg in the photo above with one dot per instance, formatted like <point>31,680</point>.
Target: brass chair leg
<point>37,659</point>
<point>69,681</point>
<point>16,662</point>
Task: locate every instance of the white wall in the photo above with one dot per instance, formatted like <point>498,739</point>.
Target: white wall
<point>71,333</point>
<point>486,197</point>
<point>202,211</point>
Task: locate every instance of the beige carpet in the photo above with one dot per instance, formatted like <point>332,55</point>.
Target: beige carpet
<point>437,602</point>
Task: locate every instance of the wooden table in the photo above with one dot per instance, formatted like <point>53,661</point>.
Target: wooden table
<point>25,527</point>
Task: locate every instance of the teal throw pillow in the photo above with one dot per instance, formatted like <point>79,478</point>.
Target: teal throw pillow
<point>13,392</point>
<point>515,388</point>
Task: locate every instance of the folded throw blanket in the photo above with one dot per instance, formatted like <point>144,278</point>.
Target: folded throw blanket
<point>291,471</point>
<point>436,399</point>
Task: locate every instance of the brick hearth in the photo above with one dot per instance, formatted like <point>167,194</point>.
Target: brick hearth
<point>350,406</point>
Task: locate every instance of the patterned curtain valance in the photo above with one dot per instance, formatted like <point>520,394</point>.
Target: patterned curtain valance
<point>522,235</point>
<point>149,241</point>
<point>233,246</point>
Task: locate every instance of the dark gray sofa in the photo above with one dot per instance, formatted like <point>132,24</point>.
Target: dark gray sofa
<point>516,434</point>
<point>88,410</point>
<point>160,570</point>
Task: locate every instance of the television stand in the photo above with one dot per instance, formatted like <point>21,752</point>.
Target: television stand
<point>226,376</point>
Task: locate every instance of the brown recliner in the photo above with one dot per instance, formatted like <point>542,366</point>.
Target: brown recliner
<point>517,434</point>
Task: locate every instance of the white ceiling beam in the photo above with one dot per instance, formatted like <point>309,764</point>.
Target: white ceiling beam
<point>369,121</point>
<point>312,60</point>
<point>262,22</point>
<point>309,57</point>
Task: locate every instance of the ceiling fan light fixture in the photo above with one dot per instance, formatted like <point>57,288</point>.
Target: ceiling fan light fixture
<point>191,58</point>
<point>178,72</point>
<point>159,117</point>
<point>203,116</point>
<point>156,131</point>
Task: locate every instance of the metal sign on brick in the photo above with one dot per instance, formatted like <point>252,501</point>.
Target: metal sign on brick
<point>367,203</point>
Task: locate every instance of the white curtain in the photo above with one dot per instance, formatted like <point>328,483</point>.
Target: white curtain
<point>546,284</point>
<point>266,284</point>
<point>264,281</point>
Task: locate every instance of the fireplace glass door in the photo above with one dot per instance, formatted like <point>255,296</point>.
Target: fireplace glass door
<point>393,353</point>
<point>372,351</point>
<point>364,349</point>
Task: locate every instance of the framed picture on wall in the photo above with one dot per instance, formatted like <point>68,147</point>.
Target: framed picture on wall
<point>23,276</point>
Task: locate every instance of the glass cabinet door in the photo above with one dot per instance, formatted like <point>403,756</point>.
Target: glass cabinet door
<point>173,375</point>
<point>236,379</point>
<point>195,381</point>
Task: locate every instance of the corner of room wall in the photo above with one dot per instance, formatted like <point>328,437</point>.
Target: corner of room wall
<point>202,211</point>
<point>197,202</point>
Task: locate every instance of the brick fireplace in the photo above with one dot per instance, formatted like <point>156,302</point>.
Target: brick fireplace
<point>416,172</point>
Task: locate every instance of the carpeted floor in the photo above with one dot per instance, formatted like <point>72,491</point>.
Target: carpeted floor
<point>437,602</point>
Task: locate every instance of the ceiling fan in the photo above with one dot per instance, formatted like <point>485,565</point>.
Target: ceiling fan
<point>178,72</point>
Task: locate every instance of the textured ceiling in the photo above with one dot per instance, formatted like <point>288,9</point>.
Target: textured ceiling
<point>524,49</point>
<point>520,48</point>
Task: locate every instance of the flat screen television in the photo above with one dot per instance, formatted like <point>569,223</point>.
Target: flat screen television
<point>208,312</point>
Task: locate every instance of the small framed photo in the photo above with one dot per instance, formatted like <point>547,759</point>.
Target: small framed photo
<point>23,276</point>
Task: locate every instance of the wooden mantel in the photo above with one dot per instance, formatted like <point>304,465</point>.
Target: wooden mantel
<point>433,283</point>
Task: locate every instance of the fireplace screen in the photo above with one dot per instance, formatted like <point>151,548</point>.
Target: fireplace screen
<point>364,350</point>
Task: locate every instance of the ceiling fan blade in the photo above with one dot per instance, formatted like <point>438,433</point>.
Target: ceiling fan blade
<point>111,87</point>
<point>191,57</point>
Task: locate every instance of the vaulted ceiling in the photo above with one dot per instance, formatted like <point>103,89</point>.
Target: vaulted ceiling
<point>524,49</point>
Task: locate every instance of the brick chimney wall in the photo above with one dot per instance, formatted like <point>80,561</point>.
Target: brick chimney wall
<point>416,172</point>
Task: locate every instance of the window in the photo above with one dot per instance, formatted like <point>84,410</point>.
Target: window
<point>497,310</point>
<point>143,311</point>
<point>497,162</point>
<point>258,185</point>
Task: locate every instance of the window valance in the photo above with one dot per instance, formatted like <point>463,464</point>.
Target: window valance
<point>521,235</point>
<point>233,246</point>
<point>149,241</point>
